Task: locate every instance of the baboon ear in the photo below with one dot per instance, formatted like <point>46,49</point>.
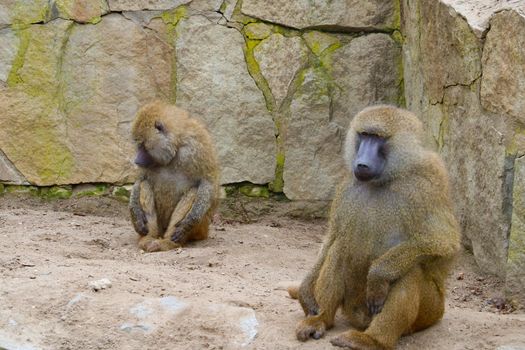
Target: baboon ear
<point>160,127</point>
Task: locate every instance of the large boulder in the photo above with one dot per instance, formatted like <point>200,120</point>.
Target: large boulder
<point>73,95</point>
<point>366,71</point>
<point>82,11</point>
<point>349,15</point>
<point>467,93</point>
<point>313,142</point>
<point>213,83</point>
<point>20,11</point>
<point>515,281</point>
<point>280,58</point>
<point>137,5</point>
<point>502,87</point>
<point>363,72</point>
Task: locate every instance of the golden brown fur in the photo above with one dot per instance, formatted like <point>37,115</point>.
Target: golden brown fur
<point>389,245</point>
<point>174,199</point>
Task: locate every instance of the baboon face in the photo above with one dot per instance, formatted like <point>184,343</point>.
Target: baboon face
<point>370,158</point>
<point>382,143</point>
<point>154,141</point>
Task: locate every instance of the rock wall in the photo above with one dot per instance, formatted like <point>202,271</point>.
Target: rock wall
<point>277,82</point>
<point>464,64</point>
<point>276,92</point>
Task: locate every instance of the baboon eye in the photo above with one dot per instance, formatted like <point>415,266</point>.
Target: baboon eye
<point>159,126</point>
<point>383,151</point>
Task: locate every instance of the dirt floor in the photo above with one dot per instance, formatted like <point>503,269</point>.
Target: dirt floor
<point>223,293</point>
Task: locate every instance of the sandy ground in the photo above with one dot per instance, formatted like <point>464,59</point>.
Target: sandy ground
<point>223,293</point>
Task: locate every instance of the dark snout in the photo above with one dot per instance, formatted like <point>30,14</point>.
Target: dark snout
<point>143,158</point>
<point>369,162</point>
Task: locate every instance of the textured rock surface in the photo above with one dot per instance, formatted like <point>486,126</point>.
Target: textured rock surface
<point>137,5</point>
<point>479,12</point>
<point>9,43</point>
<point>109,71</point>
<point>337,14</point>
<point>446,36</point>
<point>8,172</point>
<point>79,84</point>
<point>474,151</point>
<point>16,11</point>
<point>258,31</point>
<point>213,83</point>
<point>318,41</point>
<point>280,59</point>
<point>30,112</point>
<point>82,11</point>
<point>516,255</point>
<point>503,83</point>
<point>472,141</point>
<point>365,71</point>
<point>238,325</point>
<point>313,142</point>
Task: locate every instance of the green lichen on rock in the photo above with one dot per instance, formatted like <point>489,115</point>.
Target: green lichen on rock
<point>254,191</point>
<point>81,11</point>
<point>122,193</point>
<point>396,18</point>
<point>35,76</point>
<point>22,189</point>
<point>24,36</point>
<point>318,42</point>
<point>56,192</point>
<point>2,188</point>
<point>230,190</point>
<point>171,19</point>
<point>27,12</point>
<point>257,31</point>
<point>89,190</point>
<point>516,144</point>
<point>255,72</point>
<point>277,184</point>
<point>515,279</point>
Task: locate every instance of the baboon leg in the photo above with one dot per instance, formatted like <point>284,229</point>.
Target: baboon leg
<point>200,231</point>
<point>355,309</point>
<point>156,244</point>
<point>408,308</point>
<point>147,203</point>
<point>328,291</point>
<point>181,210</point>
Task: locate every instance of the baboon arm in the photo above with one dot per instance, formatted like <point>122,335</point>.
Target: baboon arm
<point>138,217</point>
<point>397,261</point>
<point>201,205</point>
<point>306,289</point>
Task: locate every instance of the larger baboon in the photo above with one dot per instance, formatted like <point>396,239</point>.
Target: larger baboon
<point>392,236</point>
<point>175,196</point>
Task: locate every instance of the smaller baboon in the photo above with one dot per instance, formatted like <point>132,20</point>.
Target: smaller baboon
<point>391,239</point>
<point>176,194</point>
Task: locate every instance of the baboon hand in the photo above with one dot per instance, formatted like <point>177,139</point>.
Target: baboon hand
<point>376,293</point>
<point>180,232</point>
<point>140,221</point>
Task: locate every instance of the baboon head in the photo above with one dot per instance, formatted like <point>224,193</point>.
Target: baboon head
<point>382,143</point>
<point>156,132</point>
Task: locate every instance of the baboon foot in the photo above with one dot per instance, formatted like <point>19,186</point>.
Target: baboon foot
<point>151,246</point>
<point>157,245</point>
<point>357,341</point>
<point>293,291</point>
<point>310,328</point>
